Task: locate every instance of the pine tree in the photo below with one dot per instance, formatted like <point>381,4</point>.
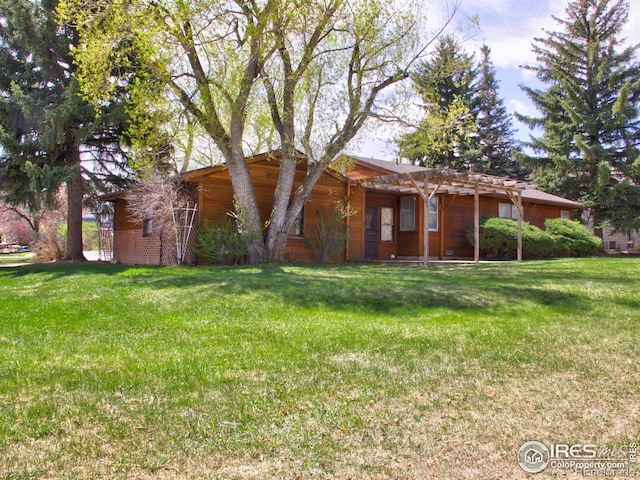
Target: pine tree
<point>588,150</point>
<point>495,126</point>
<point>46,128</point>
<point>446,85</point>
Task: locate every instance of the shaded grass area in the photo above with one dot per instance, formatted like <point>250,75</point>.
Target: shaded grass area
<point>349,371</point>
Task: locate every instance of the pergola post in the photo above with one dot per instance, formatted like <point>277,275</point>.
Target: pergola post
<point>520,225</point>
<point>425,227</point>
<point>476,224</point>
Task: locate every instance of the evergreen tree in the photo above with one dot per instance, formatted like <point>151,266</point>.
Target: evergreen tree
<point>588,150</point>
<point>495,127</point>
<point>46,128</point>
<point>446,85</point>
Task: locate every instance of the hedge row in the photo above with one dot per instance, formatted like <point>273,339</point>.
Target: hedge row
<point>499,237</point>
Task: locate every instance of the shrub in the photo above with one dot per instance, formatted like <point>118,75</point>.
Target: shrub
<point>331,232</point>
<point>219,242</point>
<point>50,244</point>
<point>572,238</point>
<point>499,236</point>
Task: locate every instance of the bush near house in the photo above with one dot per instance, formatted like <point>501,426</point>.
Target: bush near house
<point>219,242</point>
<point>499,237</point>
<point>572,238</point>
<point>331,232</point>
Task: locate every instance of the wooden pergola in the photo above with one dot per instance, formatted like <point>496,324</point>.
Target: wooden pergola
<point>429,182</point>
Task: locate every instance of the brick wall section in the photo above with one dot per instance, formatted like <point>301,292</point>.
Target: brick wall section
<point>132,248</point>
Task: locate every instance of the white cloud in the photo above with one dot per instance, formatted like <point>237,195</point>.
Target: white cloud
<point>509,26</point>
<point>521,107</point>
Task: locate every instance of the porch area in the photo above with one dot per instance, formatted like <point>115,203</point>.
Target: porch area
<point>442,215</point>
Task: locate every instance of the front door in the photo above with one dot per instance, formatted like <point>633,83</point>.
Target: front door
<point>371,232</point>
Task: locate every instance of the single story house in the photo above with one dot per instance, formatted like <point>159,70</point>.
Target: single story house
<point>398,210</point>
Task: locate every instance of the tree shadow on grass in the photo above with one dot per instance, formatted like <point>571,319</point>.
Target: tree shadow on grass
<point>356,287</point>
<point>365,288</point>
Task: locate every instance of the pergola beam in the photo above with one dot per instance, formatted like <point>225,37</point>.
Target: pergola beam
<point>454,183</point>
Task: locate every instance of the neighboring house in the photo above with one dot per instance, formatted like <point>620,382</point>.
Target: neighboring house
<point>620,242</point>
<point>388,200</point>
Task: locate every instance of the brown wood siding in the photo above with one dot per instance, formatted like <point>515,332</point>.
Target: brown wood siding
<point>215,195</point>
<point>410,242</point>
<point>121,218</point>
<point>536,213</point>
<point>457,218</point>
<point>356,223</point>
<point>217,200</point>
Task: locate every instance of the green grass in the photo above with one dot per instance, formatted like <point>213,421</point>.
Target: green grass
<point>350,371</point>
<point>16,258</point>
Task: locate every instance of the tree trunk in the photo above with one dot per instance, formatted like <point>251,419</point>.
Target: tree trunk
<point>75,195</point>
<point>247,207</point>
<point>282,216</point>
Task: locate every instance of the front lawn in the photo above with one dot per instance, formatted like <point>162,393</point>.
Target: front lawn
<point>350,371</point>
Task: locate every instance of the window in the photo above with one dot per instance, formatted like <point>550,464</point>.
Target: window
<point>433,214</point>
<point>507,210</point>
<point>388,214</point>
<point>147,227</point>
<point>565,214</point>
<point>296,229</point>
<point>407,213</point>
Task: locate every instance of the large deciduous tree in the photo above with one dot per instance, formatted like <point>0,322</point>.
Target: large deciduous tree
<point>589,114</point>
<point>45,125</point>
<point>312,70</point>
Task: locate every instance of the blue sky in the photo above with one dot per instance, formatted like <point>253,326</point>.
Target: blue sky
<point>508,27</point>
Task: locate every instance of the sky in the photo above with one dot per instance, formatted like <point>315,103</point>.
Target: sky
<point>508,27</point>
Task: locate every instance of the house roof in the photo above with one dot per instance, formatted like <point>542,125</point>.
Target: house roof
<point>385,165</point>
<point>543,197</point>
<point>405,178</point>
